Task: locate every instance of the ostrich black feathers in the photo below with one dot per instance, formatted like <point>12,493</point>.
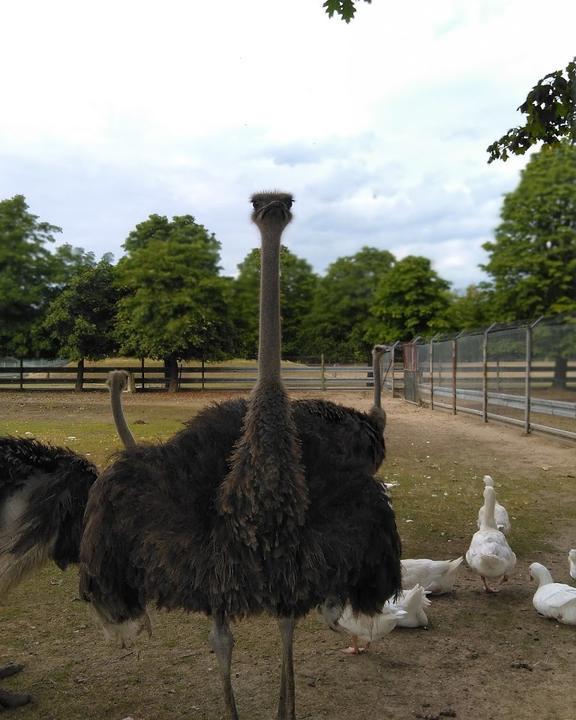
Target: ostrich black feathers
<point>154,534</point>
<point>43,494</point>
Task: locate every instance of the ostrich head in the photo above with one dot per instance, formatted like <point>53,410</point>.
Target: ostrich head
<point>271,208</point>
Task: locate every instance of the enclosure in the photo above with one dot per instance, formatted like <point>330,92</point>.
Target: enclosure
<point>522,374</point>
<point>482,656</point>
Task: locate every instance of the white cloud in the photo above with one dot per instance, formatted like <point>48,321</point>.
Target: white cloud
<point>113,111</point>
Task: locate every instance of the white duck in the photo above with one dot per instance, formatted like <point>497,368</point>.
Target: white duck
<point>435,576</point>
<point>363,627</point>
<point>489,553</point>
<point>413,602</point>
<point>500,513</point>
<point>572,563</point>
<point>553,600</point>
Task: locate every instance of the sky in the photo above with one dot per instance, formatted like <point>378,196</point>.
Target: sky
<point>116,110</point>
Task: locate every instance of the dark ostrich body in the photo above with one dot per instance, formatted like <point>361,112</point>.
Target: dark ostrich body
<point>259,506</point>
<point>43,494</point>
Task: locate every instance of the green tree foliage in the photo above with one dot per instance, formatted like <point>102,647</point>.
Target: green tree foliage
<point>338,320</point>
<point>27,274</point>
<point>298,284</point>
<point>80,321</point>
<point>471,311</point>
<point>550,109</point>
<point>346,9</point>
<point>412,299</point>
<point>176,304</point>
<point>533,257</point>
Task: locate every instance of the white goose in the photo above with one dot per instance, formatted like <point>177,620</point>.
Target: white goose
<point>364,627</point>
<point>413,602</point>
<point>553,600</point>
<point>572,563</point>
<point>435,576</point>
<point>489,553</point>
<point>500,513</point>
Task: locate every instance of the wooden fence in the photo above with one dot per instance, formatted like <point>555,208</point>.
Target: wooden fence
<point>202,376</point>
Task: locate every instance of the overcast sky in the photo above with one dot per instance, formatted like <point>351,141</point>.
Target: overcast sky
<point>112,111</point>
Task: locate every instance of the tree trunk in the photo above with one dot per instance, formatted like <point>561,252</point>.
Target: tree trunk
<point>171,373</point>
<point>560,371</point>
<point>80,376</point>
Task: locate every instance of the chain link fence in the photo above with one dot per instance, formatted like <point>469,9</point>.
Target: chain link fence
<point>524,374</point>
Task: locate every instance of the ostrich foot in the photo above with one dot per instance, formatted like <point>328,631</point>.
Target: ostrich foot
<point>9,670</point>
<point>504,579</point>
<point>10,700</point>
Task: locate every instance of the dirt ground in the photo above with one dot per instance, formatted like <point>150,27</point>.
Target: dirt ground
<point>483,657</point>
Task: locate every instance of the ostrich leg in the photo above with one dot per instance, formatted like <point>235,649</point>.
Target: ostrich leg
<point>286,703</point>
<point>222,642</point>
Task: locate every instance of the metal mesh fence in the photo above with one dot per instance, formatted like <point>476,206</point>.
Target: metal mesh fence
<point>523,374</point>
<point>470,372</point>
<point>506,372</point>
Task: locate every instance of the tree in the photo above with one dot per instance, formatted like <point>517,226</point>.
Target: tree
<point>298,284</point>
<point>550,109</point>
<point>176,304</point>
<point>337,322</point>
<point>346,9</point>
<point>27,271</point>
<point>412,299</point>
<point>533,257</point>
<point>80,321</point>
<point>471,311</point>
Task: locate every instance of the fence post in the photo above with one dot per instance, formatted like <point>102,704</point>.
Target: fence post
<point>21,373</point>
<point>322,372</point>
<point>202,371</point>
<point>142,372</point>
<point>393,365</point>
<point>454,361</point>
<point>528,377</point>
<point>485,373</point>
<point>80,376</point>
<point>431,361</point>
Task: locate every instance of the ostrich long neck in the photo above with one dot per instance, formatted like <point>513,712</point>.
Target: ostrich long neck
<point>117,380</point>
<point>377,373</point>
<point>265,496</point>
<point>269,353</point>
<point>377,413</point>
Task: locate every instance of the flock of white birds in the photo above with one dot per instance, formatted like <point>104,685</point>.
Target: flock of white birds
<point>489,555</point>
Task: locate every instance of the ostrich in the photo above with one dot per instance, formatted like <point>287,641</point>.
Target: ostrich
<point>43,493</point>
<point>117,381</point>
<point>195,523</point>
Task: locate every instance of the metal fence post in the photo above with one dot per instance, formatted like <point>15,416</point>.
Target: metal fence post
<point>528,376</point>
<point>393,364</point>
<point>142,372</point>
<point>454,361</point>
<point>322,372</point>
<point>431,361</point>
<point>485,373</point>
<point>21,373</point>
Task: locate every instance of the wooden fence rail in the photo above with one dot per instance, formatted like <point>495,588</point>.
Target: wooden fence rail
<point>195,377</point>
